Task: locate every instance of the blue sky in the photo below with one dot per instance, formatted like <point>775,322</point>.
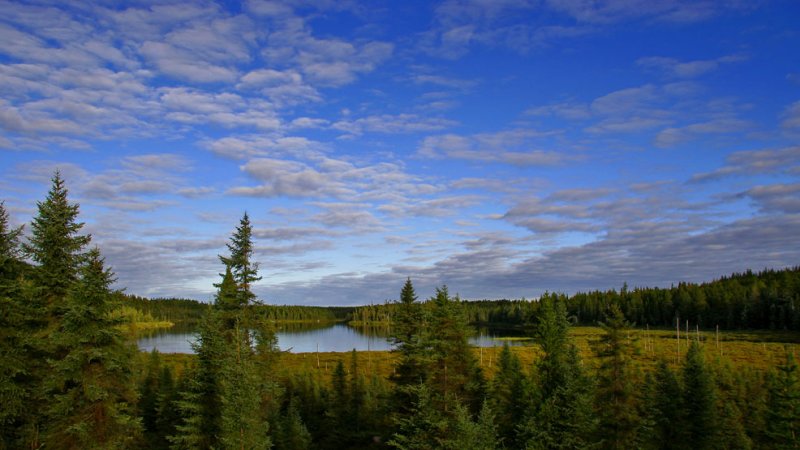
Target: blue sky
<point>501,147</point>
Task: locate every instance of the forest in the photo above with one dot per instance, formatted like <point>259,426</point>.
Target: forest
<point>769,300</point>
<point>70,378</point>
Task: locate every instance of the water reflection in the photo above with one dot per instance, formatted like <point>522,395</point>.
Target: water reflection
<point>322,337</point>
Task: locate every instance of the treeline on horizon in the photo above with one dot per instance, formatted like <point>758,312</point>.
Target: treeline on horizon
<point>188,311</point>
<point>769,299</point>
<point>71,379</point>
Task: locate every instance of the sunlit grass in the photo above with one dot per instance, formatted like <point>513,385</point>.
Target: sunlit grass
<point>754,350</point>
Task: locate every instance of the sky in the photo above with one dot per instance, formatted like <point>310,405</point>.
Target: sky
<point>501,147</point>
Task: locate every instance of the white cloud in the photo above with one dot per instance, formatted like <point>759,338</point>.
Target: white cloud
<point>510,147</point>
<point>791,117</point>
<point>688,69</point>
<point>388,123</point>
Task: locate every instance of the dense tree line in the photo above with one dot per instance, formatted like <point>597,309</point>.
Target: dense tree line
<point>70,380</point>
<point>769,299</point>
<point>178,310</point>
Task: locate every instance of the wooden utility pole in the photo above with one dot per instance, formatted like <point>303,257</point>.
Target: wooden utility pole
<point>678,338</point>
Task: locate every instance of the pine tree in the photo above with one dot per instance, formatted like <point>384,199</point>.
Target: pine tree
<point>337,423</point>
<point>616,399</point>
<point>561,414</point>
<point>149,397</point>
<point>167,414</point>
<point>508,397</point>
<point>699,394</point>
<point>472,435</point>
<point>14,364</point>
<point>91,386</point>
<point>245,272</point>
<point>665,408</point>
<point>200,401</point>
<point>9,242</point>
<point>408,338</point>
<point>292,433</point>
<point>243,425</point>
<point>783,406</point>
<point>357,397</point>
<point>55,244</point>
<point>425,428</point>
<point>455,375</point>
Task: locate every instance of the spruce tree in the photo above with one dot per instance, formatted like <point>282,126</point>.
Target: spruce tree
<point>9,242</point>
<point>665,408</point>
<point>91,386</point>
<point>508,397</point>
<point>200,401</point>
<point>699,394</point>
<point>408,338</point>
<point>454,373</point>
<point>55,244</point>
<point>149,397</point>
<point>425,428</point>
<point>14,364</point>
<point>783,406</point>
<point>243,425</point>
<point>245,271</point>
<point>561,414</point>
<point>616,400</point>
<point>292,432</point>
<point>410,343</point>
<point>472,435</point>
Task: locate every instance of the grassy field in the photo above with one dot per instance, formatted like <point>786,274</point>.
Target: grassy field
<point>754,350</point>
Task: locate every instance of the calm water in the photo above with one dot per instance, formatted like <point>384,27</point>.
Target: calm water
<point>304,339</point>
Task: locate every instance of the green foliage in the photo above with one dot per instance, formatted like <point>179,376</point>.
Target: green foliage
<point>244,271</point>
<point>508,397</point>
<point>783,406</point>
<point>55,244</point>
<point>91,384</point>
<point>292,433</point>
<point>699,395</point>
<point>14,365</point>
<point>453,371</point>
<point>243,421</point>
<point>201,403</point>
<point>561,414</point>
<point>616,402</point>
<point>425,428</point>
<point>665,408</point>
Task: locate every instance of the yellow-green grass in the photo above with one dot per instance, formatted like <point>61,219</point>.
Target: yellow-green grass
<point>755,350</point>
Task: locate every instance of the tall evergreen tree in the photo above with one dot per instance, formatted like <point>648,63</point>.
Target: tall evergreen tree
<point>508,397</point>
<point>14,367</point>
<point>783,406</point>
<point>245,271</point>
<point>561,414</point>
<point>454,373</point>
<point>409,339</point>
<point>408,327</point>
<point>291,432</point>
<point>665,408</point>
<point>699,394</point>
<point>200,402</point>
<point>9,241</point>
<point>91,386</point>
<point>617,404</point>
<point>55,244</point>
<point>243,423</point>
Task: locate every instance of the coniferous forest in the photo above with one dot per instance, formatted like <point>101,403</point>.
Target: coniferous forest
<point>71,378</point>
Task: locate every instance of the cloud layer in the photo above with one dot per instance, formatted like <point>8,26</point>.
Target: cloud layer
<point>503,148</point>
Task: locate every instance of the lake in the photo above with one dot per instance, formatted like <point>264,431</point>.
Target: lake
<point>310,338</point>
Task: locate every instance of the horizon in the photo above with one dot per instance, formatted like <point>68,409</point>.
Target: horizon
<point>503,149</point>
